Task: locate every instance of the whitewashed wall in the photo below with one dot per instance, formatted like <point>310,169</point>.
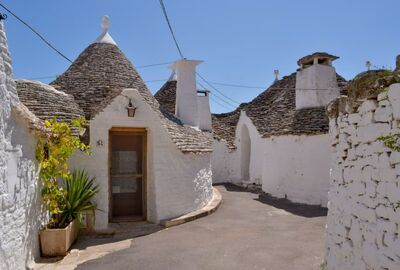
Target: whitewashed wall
<point>177,183</point>
<point>20,213</point>
<point>363,222</point>
<point>225,163</point>
<point>256,148</point>
<point>297,167</point>
<point>316,85</point>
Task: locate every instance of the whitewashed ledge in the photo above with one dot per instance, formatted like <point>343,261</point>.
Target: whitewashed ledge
<point>210,208</point>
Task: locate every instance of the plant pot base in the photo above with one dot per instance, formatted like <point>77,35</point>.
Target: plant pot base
<point>56,242</point>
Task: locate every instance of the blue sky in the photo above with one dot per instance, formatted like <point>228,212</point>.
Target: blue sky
<point>240,42</point>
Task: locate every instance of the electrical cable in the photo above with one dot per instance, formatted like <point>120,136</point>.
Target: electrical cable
<point>222,99</point>
<point>214,88</point>
<point>36,32</point>
<point>170,27</point>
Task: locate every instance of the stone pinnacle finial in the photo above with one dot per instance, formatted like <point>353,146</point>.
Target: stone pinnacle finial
<point>105,22</point>
<point>368,65</point>
<point>105,36</point>
<point>276,72</point>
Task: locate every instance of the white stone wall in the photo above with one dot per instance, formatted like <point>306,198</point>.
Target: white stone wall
<point>316,85</point>
<point>225,164</point>
<point>257,146</point>
<point>177,183</point>
<point>297,167</point>
<point>203,106</point>
<point>186,92</point>
<point>20,214</point>
<point>363,222</point>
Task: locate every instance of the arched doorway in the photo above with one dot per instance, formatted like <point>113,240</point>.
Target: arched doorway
<point>245,146</point>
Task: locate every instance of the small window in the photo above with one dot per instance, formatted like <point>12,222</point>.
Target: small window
<point>323,61</point>
<point>202,93</point>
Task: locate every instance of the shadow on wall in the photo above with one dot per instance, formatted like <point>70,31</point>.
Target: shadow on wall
<point>245,145</point>
<point>298,209</point>
<point>35,213</point>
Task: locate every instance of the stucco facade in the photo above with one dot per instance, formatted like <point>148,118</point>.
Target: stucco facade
<point>316,86</point>
<point>291,166</point>
<point>177,183</point>
<point>297,168</point>
<point>280,140</point>
<point>20,204</point>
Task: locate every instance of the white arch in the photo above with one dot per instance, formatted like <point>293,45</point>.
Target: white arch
<point>245,153</point>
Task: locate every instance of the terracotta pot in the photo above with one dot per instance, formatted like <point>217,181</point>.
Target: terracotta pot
<point>56,242</point>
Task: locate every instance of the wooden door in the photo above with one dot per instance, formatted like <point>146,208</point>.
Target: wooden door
<point>127,174</point>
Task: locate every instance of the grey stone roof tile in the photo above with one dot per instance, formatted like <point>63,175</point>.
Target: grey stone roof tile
<point>273,112</point>
<point>45,102</point>
<point>101,72</point>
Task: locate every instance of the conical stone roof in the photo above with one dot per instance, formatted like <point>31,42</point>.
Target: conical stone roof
<point>101,72</point>
<point>273,112</point>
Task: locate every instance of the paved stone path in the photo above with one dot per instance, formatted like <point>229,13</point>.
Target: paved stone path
<point>246,232</point>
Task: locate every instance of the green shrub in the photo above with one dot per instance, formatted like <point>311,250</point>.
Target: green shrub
<point>391,141</point>
<point>53,152</point>
<point>79,190</point>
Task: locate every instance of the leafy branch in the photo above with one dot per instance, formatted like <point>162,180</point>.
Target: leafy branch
<point>52,154</point>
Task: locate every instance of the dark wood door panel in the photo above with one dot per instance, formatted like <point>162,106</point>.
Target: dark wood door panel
<point>127,175</point>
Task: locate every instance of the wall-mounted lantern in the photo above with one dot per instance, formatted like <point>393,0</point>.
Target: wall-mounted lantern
<point>131,109</point>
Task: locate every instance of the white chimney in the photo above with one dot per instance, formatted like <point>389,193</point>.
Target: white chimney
<point>186,106</point>
<point>204,112</point>
<point>316,82</point>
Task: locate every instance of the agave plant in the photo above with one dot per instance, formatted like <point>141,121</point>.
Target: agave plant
<point>79,190</point>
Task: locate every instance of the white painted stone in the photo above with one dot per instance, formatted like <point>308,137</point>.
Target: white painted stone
<point>394,98</point>
<point>394,158</point>
<point>354,118</point>
<point>20,204</point>
<point>316,86</point>
<point>382,96</point>
<point>371,132</point>
<point>105,36</point>
<point>186,92</point>
<point>369,193</point>
<point>367,106</point>
<point>225,162</point>
<point>383,114</point>
<point>204,112</point>
<point>177,183</point>
<point>298,167</point>
<point>367,118</point>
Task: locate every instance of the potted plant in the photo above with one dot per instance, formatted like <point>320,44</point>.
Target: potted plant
<point>79,190</point>
<point>64,193</point>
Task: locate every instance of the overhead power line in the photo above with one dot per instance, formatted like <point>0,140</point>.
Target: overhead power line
<point>181,54</point>
<point>164,10</point>
<point>238,85</point>
<point>222,99</point>
<point>154,65</point>
<point>220,104</point>
<point>36,33</point>
<point>214,88</point>
<point>158,80</point>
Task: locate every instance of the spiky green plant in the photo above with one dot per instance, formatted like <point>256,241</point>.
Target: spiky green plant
<point>79,191</point>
